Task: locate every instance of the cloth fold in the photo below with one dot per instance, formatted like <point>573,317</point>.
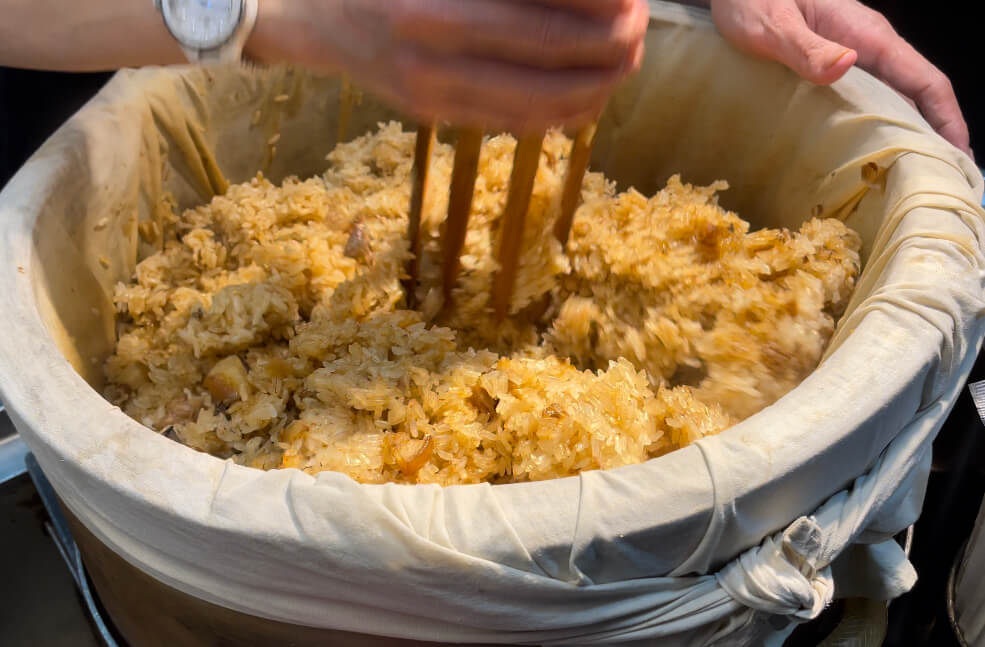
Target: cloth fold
<point>716,544</point>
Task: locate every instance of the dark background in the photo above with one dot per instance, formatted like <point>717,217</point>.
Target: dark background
<point>33,104</point>
<point>950,38</point>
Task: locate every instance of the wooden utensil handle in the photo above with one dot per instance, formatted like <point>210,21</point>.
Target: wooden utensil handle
<point>525,163</point>
<point>581,154</point>
<point>419,181</point>
<point>463,177</point>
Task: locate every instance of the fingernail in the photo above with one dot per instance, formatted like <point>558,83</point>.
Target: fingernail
<point>846,53</point>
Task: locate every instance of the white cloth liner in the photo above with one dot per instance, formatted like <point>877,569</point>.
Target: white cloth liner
<point>715,544</point>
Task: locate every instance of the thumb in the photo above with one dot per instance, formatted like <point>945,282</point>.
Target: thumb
<point>776,29</point>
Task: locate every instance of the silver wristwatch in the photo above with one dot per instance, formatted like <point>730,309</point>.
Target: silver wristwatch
<point>210,30</point>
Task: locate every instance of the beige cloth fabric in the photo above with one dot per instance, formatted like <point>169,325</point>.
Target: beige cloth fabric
<point>712,544</point>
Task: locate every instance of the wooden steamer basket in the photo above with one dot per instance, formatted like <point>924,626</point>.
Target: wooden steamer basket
<point>185,549</point>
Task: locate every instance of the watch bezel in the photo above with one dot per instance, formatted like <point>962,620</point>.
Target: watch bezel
<point>188,40</point>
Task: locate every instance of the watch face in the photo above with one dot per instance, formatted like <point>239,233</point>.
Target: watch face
<point>202,24</point>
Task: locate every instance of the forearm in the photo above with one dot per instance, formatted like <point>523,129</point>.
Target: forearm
<point>89,35</point>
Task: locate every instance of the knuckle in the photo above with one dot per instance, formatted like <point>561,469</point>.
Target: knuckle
<point>882,23</point>
<point>938,89</point>
<point>877,21</point>
<point>780,23</point>
<point>943,82</point>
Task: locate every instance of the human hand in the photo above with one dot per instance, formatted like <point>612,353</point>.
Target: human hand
<point>822,39</point>
<point>516,65</point>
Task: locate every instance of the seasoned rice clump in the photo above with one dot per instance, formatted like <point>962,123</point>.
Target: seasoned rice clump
<point>271,328</point>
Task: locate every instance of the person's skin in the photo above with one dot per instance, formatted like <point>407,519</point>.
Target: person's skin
<point>822,39</point>
<point>504,64</point>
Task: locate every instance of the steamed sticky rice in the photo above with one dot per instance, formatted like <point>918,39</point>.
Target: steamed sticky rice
<point>271,327</point>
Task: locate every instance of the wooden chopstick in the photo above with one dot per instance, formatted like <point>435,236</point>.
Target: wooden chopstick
<point>525,163</point>
<point>463,177</point>
<point>419,181</point>
<point>581,153</point>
